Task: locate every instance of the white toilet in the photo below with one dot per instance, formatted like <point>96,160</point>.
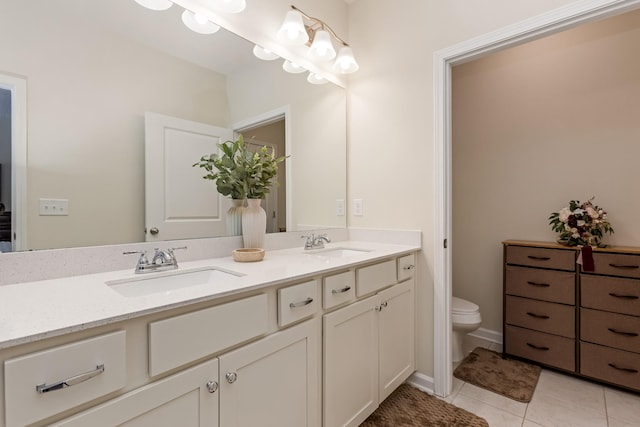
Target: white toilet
<point>465,317</point>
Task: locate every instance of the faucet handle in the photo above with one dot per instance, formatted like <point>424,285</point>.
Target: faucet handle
<point>308,244</point>
<point>143,256</point>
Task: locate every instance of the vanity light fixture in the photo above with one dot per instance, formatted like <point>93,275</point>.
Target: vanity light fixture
<point>198,23</point>
<point>299,28</point>
<point>229,6</point>
<point>264,54</point>
<point>316,79</point>
<point>155,4</point>
<point>292,67</point>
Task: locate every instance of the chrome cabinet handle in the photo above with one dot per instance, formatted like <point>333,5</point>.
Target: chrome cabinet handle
<point>409,267</point>
<point>154,230</point>
<point>212,386</point>
<point>347,288</point>
<point>384,304</point>
<point>59,385</point>
<point>231,377</point>
<point>301,303</point>
<point>378,308</point>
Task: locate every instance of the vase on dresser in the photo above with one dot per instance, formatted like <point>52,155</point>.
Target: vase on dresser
<point>234,217</point>
<point>254,224</point>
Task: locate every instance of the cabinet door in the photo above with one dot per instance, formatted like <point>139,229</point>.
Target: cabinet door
<point>185,399</point>
<point>273,382</point>
<point>351,363</point>
<point>397,352</point>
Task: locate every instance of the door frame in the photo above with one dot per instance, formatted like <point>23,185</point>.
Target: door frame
<point>563,18</point>
<point>18,88</point>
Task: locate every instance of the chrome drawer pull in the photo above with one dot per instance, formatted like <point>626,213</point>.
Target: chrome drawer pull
<point>341,290</point>
<point>628,334</point>
<point>542,285</point>
<point>630,370</point>
<point>409,267</point>
<point>301,303</point>
<point>58,385</point>
<point>623,296</point>
<point>538,316</point>
<point>623,266</point>
<point>538,347</point>
<point>539,258</point>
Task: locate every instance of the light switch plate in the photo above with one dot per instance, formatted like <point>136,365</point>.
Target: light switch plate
<point>358,207</point>
<point>54,207</point>
<point>340,207</point>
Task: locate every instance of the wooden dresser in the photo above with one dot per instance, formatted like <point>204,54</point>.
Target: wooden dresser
<point>585,323</point>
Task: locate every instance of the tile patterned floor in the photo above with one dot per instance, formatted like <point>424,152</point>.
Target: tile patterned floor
<point>559,400</point>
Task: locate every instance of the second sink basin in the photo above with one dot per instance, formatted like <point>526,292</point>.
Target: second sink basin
<point>339,252</point>
<point>152,283</point>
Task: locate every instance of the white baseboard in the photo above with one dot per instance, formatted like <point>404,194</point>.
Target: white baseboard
<point>487,335</point>
<point>421,381</point>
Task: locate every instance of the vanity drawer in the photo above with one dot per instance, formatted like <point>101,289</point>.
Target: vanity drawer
<point>558,259</point>
<point>182,339</point>
<point>92,368</point>
<point>406,267</point>
<point>607,364</point>
<point>338,289</point>
<point>374,277</point>
<point>610,294</point>
<point>610,329</point>
<point>544,348</point>
<point>297,302</point>
<point>623,265</point>
<point>546,285</point>
<point>541,316</point>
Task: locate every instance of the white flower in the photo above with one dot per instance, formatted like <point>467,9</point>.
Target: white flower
<point>581,223</point>
<point>578,211</point>
<point>592,213</point>
<point>575,235</point>
<point>563,215</point>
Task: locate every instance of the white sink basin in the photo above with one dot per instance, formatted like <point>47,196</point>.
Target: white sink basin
<point>153,283</point>
<point>339,252</point>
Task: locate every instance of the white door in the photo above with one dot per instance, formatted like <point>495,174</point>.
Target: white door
<point>273,382</point>
<point>179,203</point>
<point>270,202</point>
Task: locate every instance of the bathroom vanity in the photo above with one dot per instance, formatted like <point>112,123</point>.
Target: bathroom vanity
<point>583,322</point>
<point>303,338</point>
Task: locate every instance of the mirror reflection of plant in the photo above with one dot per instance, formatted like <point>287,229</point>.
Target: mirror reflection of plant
<point>240,172</point>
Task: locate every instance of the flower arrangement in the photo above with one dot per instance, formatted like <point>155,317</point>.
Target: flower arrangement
<point>240,172</point>
<point>580,224</point>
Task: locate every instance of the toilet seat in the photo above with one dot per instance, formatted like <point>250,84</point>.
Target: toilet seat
<point>461,306</point>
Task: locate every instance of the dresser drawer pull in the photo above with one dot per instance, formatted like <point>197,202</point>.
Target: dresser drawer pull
<point>301,303</point>
<point>628,334</point>
<point>623,296</point>
<point>537,347</point>
<point>538,316</point>
<point>341,290</point>
<point>409,267</point>
<point>539,258</point>
<point>59,385</point>
<point>541,285</point>
<point>630,370</point>
<point>625,267</point>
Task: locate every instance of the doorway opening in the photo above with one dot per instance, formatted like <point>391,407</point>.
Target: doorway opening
<point>5,170</point>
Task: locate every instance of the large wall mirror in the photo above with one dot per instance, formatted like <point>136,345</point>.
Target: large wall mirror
<point>93,68</point>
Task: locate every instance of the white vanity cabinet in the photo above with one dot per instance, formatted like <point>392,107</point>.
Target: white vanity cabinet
<point>368,349</point>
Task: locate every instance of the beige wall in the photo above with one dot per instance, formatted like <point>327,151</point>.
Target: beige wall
<point>534,127</point>
<point>391,115</point>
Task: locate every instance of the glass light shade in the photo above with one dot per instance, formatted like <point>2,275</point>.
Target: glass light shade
<point>292,30</point>
<point>345,62</point>
<point>198,23</point>
<point>321,49</point>
<point>155,4</point>
<point>264,54</point>
<point>292,67</point>
<point>230,6</point>
<point>316,79</point>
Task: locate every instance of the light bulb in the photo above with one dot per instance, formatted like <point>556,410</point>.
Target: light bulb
<point>155,4</point>
<point>316,79</point>
<point>200,18</point>
<point>292,30</point>
<point>264,54</point>
<point>292,67</point>
<point>198,23</point>
<point>321,48</point>
<point>345,62</point>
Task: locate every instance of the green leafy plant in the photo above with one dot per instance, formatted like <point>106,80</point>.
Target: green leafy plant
<point>581,224</point>
<point>240,172</point>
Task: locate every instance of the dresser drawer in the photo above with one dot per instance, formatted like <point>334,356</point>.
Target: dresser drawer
<point>558,259</point>
<point>338,289</point>
<point>607,364</point>
<point>182,339</point>
<point>375,277</point>
<point>297,302</point>
<point>541,316</point>
<point>610,294</point>
<point>33,384</point>
<point>610,329</point>
<point>623,265</point>
<point>546,285</point>
<point>551,350</point>
<point>406,267</point>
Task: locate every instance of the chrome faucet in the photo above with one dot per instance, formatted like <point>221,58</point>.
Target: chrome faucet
<point>163,259</point>
<point>315,242</point>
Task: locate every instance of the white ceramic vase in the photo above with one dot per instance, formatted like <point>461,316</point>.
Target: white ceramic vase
<point>234,217</point>
<point>254,224</point>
